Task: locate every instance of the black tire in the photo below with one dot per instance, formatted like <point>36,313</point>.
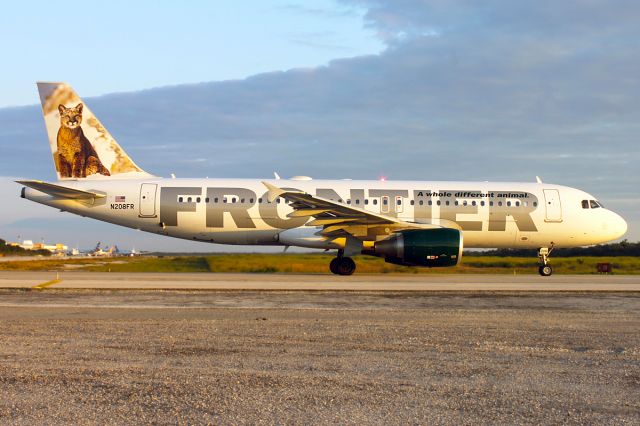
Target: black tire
<point>333,266</point>
<point>545,270</point>
<point>346,266</point>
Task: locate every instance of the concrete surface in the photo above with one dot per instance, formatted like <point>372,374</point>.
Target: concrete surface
<point>381,282</point>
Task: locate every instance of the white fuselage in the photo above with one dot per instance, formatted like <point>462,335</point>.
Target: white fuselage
<point>236,211</point>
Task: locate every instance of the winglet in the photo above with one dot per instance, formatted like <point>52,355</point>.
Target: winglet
<point>274,191</point>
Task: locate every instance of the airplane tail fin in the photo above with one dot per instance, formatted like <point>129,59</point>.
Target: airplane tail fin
<point>80,144</point>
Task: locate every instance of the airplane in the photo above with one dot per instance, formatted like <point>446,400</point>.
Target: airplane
<point>412,223</point>
<point>98,251</point>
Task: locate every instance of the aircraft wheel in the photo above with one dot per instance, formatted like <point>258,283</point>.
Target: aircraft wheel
<point>345,266</point>
<point>333,266</point>
<point>545,270</point>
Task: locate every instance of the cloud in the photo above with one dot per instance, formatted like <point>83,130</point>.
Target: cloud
<point>495,90</point>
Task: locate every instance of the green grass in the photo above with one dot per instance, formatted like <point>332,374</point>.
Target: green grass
<point>318,263</point>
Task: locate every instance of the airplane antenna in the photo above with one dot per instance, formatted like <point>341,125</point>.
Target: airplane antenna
<point>538,179</point>
<point>277,176</point>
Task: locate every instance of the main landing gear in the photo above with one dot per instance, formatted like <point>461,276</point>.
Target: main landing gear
<point>342,265</point>
<point>543,255</point>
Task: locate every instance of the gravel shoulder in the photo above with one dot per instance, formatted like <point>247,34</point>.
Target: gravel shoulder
<point>125,357</point>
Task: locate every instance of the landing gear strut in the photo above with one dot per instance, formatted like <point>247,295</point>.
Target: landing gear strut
<point>543,255</point>
<point>342,265</point>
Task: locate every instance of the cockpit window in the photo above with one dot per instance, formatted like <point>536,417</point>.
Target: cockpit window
<point>585,204</point>
<point>594,204</point>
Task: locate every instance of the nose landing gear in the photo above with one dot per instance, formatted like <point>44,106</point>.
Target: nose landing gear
<point>543,255</point>
<point>342,265</point>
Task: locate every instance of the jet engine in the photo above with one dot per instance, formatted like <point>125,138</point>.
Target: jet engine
<point>422,247</point>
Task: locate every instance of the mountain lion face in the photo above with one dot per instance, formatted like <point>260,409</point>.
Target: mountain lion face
<point>70,118</point>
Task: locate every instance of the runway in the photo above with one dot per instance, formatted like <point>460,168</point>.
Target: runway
<point>310,282</point>
<point>284,348</point>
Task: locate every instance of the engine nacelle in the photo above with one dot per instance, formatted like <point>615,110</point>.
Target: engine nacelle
<point>422,247</point>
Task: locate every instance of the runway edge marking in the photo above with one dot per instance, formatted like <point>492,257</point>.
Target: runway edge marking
<point>47,284</point>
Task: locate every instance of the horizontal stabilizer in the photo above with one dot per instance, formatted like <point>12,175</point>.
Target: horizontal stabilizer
<point>61,191</point>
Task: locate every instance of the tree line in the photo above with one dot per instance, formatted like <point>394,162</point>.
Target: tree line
<point>623,248</point>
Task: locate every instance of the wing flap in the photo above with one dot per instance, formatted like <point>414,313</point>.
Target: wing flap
<point>303,212</point>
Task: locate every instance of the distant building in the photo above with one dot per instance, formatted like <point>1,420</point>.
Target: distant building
<point>30,245</point>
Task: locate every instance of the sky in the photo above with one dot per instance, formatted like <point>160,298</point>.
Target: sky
<point>120,46</point>
<point>424,90</point>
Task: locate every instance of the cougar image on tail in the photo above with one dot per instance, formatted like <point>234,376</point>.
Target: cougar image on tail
<point>76,156</point>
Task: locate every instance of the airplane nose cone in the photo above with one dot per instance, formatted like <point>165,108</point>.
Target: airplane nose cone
<point>617,225</point>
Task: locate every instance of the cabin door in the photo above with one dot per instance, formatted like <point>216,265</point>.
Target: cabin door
<point>553,207</point>
<point>398,203</point>
<point>148,199</point>
<point>384,200</point>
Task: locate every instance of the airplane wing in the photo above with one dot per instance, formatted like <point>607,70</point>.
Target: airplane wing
<point>339,219</point>
<point>60,191</point>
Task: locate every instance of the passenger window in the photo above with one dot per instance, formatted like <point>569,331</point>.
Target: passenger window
<point>422,202</point>
<point>180,199</point>
<point>198,200</point>
<point>473,203</point>
<point>251,200</point>
<point>375,201</point>
<point>357,201</point>
<point>430,202</point>
<point>464,203</point>
<point>594,204</point>
<point>517,203</point>
<point>446,202</point>
<point>500,203</point>
<point>438,202</point>
<point>398,201</point>
<point>535,204</point>
<point>259,200</point>
<point>508,203</point>
<point>385,201</point>
<point>491,203</point>
<point>412,202</point>
<point>189,200</point>
<point>585,204</point>
<point>242,200</point>
<point>348,201</point>
<point>482,203</point>
<point>366,202</point>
